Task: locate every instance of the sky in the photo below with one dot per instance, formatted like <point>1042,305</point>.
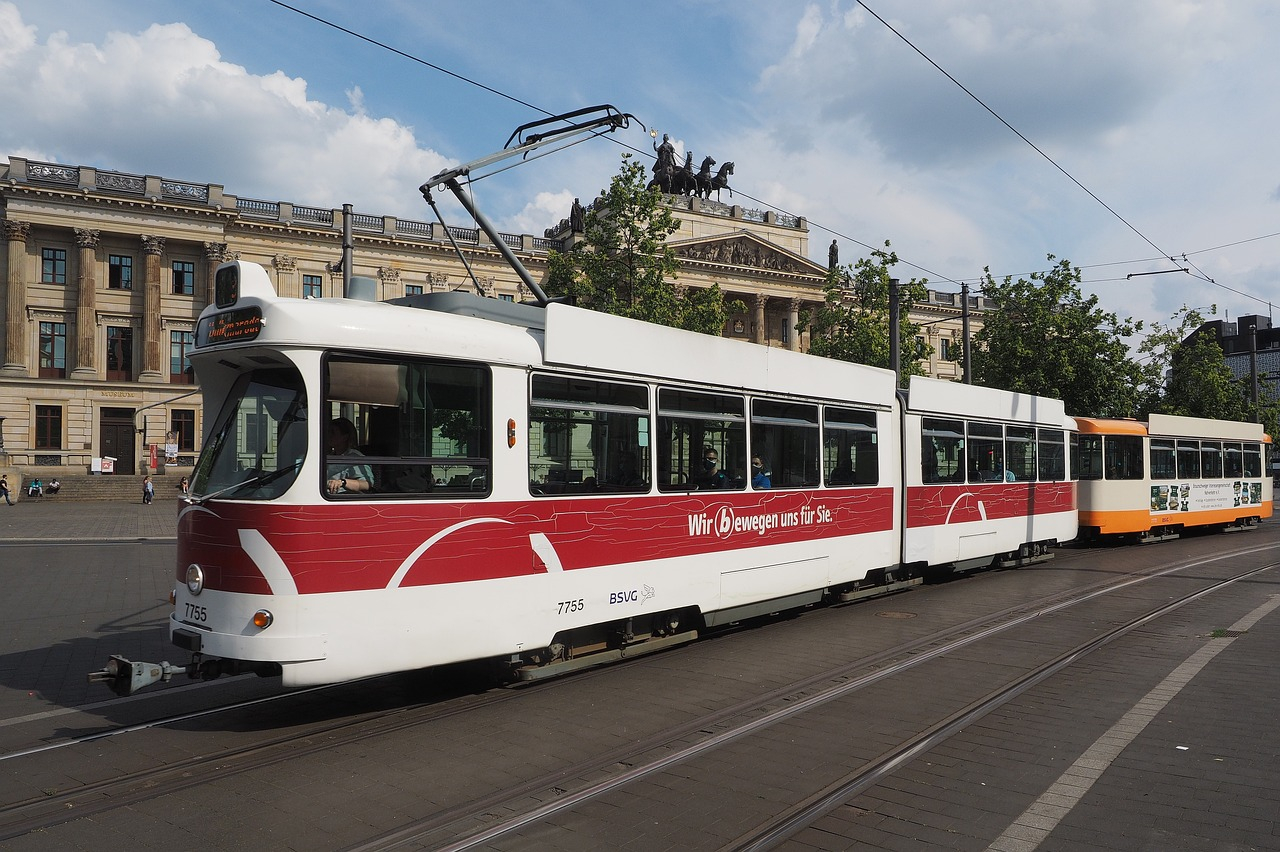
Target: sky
<point>970,134</point>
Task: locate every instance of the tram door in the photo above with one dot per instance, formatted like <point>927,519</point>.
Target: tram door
<point>118,438</point>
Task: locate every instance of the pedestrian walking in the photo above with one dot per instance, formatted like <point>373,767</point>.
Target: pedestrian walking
<point>4,488</point>
<point>148,490</point>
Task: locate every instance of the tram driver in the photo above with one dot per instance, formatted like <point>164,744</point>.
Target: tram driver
<point>342,476</point>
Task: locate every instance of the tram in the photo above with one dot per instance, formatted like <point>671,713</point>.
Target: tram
<point>393,485</point>
<point>1152,480</point>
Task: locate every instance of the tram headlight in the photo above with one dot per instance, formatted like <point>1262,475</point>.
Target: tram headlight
<point>195,579</point>
<point>262,619</point>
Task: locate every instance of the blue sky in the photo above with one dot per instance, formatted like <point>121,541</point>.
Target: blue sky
<point>1166,111</point>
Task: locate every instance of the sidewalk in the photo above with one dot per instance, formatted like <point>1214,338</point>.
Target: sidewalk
<point>51,520</point>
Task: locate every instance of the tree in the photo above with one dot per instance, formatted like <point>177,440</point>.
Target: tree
<point>1187,372</point>
<point>624,266</point>
<point>1043,336</point>
<point>853,322</point>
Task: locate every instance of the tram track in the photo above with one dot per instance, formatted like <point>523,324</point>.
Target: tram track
<point>620,766</point>
<point>627,766</point>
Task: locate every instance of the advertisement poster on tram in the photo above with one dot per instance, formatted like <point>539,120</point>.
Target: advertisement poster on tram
<point>1205,496</point>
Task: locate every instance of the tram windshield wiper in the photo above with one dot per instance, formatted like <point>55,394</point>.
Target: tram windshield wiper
<point>260,479</point>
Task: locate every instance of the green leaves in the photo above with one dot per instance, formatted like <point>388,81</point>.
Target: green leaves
<point>1043,336</point>
<point>853,322</point>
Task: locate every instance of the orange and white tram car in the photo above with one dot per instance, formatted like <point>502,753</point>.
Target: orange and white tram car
<point>1153,479</point>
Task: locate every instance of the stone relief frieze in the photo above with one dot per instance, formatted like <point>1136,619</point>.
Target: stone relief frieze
<point>742,252</point>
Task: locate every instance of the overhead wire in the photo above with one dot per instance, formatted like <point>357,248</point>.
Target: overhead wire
<point>938,276</point>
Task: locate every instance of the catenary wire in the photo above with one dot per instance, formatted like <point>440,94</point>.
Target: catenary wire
<point>930,273</point>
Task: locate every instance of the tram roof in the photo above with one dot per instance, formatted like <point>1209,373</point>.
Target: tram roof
<point>944,398</point>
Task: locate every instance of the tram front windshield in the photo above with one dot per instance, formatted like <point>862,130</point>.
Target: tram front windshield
<point>259,440</point>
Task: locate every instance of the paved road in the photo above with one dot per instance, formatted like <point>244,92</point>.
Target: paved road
<point>51,520</point>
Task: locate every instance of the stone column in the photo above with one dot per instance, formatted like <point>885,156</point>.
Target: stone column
<point>86,302</point>
<point>793,320</point>
<point>152,346</point>
<point>761,336</point>
<point>15,303</point>
<point>214,255</point>
<point>286,266</point>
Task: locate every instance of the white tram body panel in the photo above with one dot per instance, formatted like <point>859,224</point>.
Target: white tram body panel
<point>986,472</point>
<point>497,534</point>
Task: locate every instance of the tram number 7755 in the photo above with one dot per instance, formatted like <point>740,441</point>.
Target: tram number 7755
<point>567,607</point>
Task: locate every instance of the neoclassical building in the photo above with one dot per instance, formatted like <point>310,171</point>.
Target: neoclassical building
<point>106,273</point>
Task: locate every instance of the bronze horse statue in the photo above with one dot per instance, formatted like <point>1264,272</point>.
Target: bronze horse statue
<point>675,180</point>
<point>707,182</point>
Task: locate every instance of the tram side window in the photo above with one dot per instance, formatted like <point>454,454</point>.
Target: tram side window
<point>1253,460</point>
<point>587,436</point>
<point>1232,460</point>
<point>851,447</point>
<point>986,452</point>
<point>1188,460</point>
<point>1089,457</point>
<point>1163,460</point>
<point>1020,453</point>
<point>941,450</point>
<point>1123,456</point>
<point>785,437</point>
<point>1053,459</point>
<point>422,426</point>
<point>702,441</point>
<point>1211,459</point>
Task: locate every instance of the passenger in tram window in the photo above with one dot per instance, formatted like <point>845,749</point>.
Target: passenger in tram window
<point>344,477</point>
<point>711,477</point>
<point>1009,476</point>
<point>759,476</point>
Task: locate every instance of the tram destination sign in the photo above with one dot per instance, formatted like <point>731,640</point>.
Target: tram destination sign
<point>230,327</point>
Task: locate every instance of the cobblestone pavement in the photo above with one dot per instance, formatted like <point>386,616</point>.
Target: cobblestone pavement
<point>50,520</point>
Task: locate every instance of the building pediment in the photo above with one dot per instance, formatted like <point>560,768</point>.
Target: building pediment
<point>746,251</point>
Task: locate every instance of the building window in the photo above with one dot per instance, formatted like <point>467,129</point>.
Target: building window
<point>53,266</point>
<point>182,422</point>
<point>311,287</point>
<point>945,351</point>
<point>413,289</point>
<point>48,427</point>
<point>119,354</point>
<point>506,297</point>
<point>180,372</point>
<point>119,272</point>
<point>184,277</point>
<point>53,350</point>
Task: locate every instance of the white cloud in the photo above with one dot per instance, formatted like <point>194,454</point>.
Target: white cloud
<point>162,101</point>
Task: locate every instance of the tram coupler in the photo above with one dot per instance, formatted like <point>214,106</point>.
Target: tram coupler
<point>125,677</point>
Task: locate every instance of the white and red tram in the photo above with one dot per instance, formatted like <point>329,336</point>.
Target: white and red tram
<point>495,525</point>
<point>551,487</point>
<point>539,490</point>
<point>986,473</point>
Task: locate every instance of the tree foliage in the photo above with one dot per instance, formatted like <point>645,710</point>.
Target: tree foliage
<point>853,322</point>
<point>1043,336</point>
<point>623,265</point>
<point>1187,372</point>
